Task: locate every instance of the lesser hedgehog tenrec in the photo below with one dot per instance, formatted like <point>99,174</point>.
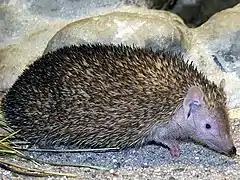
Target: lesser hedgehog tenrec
<point>99,95</point>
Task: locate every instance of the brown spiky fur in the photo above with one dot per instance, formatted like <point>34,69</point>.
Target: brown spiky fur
<point>102,95</point>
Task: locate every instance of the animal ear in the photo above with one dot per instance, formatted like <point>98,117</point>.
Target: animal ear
<point>194,96</point>
<point>222,83</point>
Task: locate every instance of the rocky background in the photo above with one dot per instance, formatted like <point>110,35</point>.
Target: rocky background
<point>206,31</point>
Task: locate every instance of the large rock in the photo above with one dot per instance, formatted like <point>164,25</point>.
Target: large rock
<point>127,25</point>
<point>218,42</point>
<point>23,38</point>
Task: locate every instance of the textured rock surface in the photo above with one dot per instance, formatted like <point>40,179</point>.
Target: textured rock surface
<point>145,28</point>
<point>197,12</point>
<point>218,42</point>
<point>23,37</point>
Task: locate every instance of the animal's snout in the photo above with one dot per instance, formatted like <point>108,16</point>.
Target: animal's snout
<point>232,151</point>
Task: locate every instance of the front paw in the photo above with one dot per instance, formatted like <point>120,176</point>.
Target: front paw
<point>174,148</point>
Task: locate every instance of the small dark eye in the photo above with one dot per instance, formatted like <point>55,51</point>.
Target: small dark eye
<point>208,126</point>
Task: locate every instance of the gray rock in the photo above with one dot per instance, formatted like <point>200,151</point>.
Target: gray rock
<point>226,52</point>
<point>82,8</point>
<point>217,41</point>
<point>145,28</point>
<point>69,8</point>
<point>196,12</point>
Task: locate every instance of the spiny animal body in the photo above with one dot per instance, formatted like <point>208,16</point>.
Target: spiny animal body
<point>96,95</point>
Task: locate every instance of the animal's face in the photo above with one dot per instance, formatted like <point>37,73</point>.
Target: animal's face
<point>207,125</point>
<point>210,127</point>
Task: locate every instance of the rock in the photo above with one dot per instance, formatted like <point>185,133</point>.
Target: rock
<point>223,39</point>
<point>72,9</point>
<point>193,12</point>
<point>24,38</point>
<point>127,25</point>
<point>218,42</point>
<point>196,12</point>
<point>152,4</point>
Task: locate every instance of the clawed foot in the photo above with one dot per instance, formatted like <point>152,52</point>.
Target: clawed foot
<point>174,149</point>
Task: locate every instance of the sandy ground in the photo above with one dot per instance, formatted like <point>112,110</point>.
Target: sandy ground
<point>149,162</point>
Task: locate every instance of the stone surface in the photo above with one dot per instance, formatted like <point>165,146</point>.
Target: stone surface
<point>23,37</point>
<point>216,48</point>
<point>197,12</point>
<point>128,25</point>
